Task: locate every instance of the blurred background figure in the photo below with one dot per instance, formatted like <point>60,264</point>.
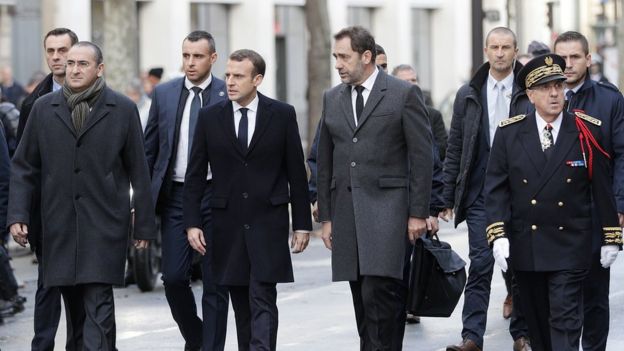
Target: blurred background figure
<point>9,116</point>
<point>12,90</point>
<point>153,78</point>
<point>34,80</point>
<point>381,59</point>
<point>135,91</point>
<point>595,69</point>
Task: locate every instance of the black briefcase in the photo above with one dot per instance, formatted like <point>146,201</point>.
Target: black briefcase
<point>437,278</point>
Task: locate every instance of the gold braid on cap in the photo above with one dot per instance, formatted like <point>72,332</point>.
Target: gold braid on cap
<point>541,72</point>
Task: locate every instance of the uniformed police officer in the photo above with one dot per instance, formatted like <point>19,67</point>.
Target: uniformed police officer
<point>605,102</point>
<point>543,171</point>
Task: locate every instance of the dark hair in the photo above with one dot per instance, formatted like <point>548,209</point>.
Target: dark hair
<point>573,36</point>
<point>502,30</point>
<point>254,57</point>
<point>99,58</point>
<point>379,50</point>
<point>156,72</point>
<point>62,31</point>
<point>361,40</point>
<point>402,67</point>
<point>198,35</point>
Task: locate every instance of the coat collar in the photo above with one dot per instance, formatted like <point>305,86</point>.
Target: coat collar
<point>100,110</point>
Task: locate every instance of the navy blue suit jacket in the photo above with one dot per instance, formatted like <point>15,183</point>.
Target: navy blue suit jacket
<point>162,125</point>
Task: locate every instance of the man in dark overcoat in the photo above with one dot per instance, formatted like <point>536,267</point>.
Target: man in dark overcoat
<point>252,143</point>
<point>545,171</point>
<point>375,165</point>
<point>83,147</point>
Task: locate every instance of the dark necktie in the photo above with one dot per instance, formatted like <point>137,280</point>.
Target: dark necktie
<point>195,106</point>
<point>547,140</point>
<point>359,102</point>
<point>569,95</point>
<point>242,129</point>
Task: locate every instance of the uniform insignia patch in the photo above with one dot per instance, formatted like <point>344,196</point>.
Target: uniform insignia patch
<point>579,163</point>
<point>588,118</point>
<point>511,120</point>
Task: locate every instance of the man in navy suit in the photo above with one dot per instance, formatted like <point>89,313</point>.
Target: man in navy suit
<point>168,136</point>
<point>254,149</point>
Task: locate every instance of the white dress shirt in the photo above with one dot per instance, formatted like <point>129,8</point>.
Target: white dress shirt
<point>368,86</point>
<point>179,171</point>
<point>492,95</point>
<point>55,85</point>
<point>541,124</point>
<point>252,111</point>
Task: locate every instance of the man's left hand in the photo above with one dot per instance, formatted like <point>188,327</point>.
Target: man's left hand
<point>433,224</point>
<point>299,241</point>
<point>141,244</point>
<point>416,227</point>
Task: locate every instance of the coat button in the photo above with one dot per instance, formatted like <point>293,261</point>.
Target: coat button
<point>560,228</point>
<point>533,202</point>
<point>77,170</point>
<point>560,204</point>
<point>568,180</point>
<point>245,195</point>
<point>77,197</point>
<point>525,181</point>
<point>353,164</point>
<point>534,227</point>
<point>246,226</point>
<point>78,144</point>
<point>355,140</point>
<point>349,188</point>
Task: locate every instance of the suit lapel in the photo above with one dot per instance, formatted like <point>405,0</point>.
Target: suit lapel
<point>532,145</point>
<point>347,106</point>
<point>61,110</point>
<point>375,96</point>
<point>565,140</point>
<point>172,103</point>
<point>227,122</point>
<point>100,110</point>
<point>263,117</point>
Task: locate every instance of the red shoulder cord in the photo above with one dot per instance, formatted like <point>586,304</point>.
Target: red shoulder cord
<point>587,139</point>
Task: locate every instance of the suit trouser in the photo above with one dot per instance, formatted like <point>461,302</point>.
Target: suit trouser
<point>517,324</point>
<point>596,306</point>
<point>177,256</point>
<point>478,284</point>
<point>378,304</point>
<point>255,311</point>
<point>47,313</point>
<point>553,306</point>
<point>91,316</point>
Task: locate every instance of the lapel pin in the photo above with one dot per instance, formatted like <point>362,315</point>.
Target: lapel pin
<point>221,93</point>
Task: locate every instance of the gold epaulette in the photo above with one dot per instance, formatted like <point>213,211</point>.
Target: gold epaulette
<point>511,120</point>
<point>495,231</point>
<point>612,235</point>
<point>588,118</point>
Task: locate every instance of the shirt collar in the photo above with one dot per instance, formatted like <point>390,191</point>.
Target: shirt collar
<point>507,81</point>
<point>370,81</point>
<point>576,88</point>
<point>556,124</point>
<point>252,106</point>
<point>188,85</point>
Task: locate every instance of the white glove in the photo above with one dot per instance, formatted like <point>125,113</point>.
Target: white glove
<point>608,254</point>
<point>501,252</point>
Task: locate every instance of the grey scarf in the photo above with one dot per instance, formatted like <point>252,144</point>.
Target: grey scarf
<point>80,103</point>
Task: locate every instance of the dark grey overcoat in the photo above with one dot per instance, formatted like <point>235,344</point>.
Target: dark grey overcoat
<point>85,187</point>
<point>372,177</point>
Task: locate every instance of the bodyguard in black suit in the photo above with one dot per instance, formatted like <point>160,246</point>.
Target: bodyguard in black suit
<point>254,149</point>
<point>168,137</point>
<point>544,171</point>
<point>56,44</point>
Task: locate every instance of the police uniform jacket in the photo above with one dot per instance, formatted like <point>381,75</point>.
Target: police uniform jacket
<point>605,102</point>
<point>544,206</point>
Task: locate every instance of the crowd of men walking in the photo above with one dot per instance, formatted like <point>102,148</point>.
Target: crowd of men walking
<point>533,164</point>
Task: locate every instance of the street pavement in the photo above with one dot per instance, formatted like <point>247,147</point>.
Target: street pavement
<point>315,314</point>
